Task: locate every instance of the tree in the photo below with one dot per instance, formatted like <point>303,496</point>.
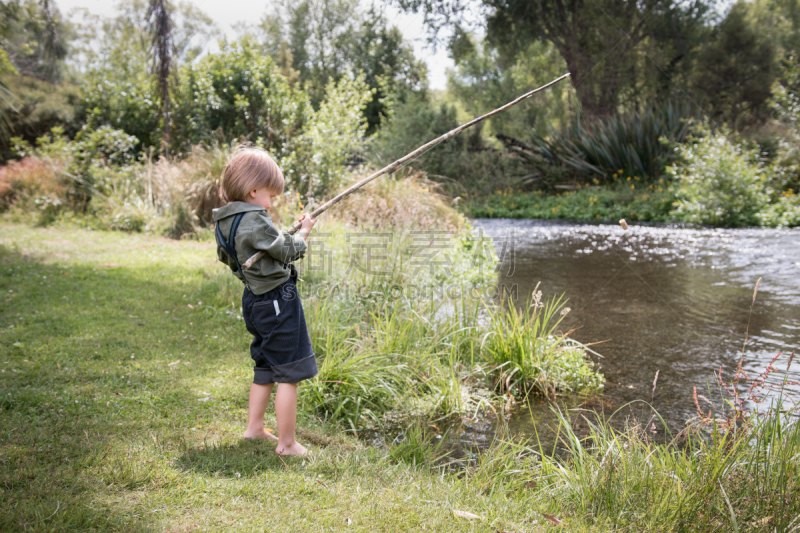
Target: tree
<point>316,41</point>
<point>316,33</point>
<point>599,40</point>
<point>34,41</point>
<point>483,80</point>
<point>120,89</point>
<point>735,69</point>
<point>161,28</point>
<point>387,61</point>
<point>35,38</point>
<point>239,92</point>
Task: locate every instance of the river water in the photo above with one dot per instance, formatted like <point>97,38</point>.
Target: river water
<point>666,299</point>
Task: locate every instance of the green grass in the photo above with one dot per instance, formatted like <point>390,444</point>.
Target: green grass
<point>634,201</point>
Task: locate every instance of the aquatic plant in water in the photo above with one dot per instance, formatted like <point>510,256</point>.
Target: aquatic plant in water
<point>529,353</point>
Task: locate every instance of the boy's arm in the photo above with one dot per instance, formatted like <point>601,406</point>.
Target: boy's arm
<point>277,244</point>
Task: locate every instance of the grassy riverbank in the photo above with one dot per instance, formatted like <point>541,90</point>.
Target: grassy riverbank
<point>124,379</point>
<point>125,373</point>
<point>633,202</point>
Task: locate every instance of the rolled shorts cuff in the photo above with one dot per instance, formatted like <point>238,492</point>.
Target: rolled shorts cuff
<point>293,372</point>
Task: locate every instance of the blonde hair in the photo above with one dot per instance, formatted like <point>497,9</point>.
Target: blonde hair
<point>250,168</point>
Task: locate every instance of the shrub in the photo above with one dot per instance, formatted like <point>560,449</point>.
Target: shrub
<point>121,96</point>
<point>785,212</point>
<point>38,107</point>
<point>30,183</point>
<point>632,200</point>
<point>241,92</point>
<point>632,143</point>
<point>406,200</point>
<point>719,182</point>
<point>90,164</point>
<point>463,165</point>
<point>334,135</point>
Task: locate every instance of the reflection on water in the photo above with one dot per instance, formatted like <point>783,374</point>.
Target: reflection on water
<point>667,299</point>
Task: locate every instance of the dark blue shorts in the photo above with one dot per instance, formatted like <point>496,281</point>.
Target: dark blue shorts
<point>281,347</point>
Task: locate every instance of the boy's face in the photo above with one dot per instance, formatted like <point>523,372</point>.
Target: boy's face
<point>262,197</point>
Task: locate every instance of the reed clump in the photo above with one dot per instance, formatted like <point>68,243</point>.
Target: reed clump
<point>607,479</point>
<point>530,354</point>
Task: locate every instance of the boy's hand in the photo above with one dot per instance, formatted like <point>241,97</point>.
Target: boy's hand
<point>307,224</point>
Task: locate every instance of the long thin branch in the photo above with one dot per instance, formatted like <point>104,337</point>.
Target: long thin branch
<point>406,158</point>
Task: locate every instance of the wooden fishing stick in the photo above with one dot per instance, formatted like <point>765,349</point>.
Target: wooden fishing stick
<point>391,168</point>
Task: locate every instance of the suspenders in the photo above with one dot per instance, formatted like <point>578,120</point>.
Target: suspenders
<point>230,244</point>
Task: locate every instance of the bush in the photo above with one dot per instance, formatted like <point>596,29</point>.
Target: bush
<point>89,164</point>
<point>31,184</point>
<point>38,107</point>
<point>335,135</point>
<point>240,93</point>
<point>404,201</point>
<point>785,212</point>
<point>464,165</point>
<point>719,182</point>
<point>632,144</point>
<point>122,97</point>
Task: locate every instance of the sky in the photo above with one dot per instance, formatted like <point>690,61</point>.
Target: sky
<point>228,12</point>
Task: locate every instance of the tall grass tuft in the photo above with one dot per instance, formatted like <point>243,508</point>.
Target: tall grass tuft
<point>417,445</point>
<point>529,354</point>
<point>379,362</point>
<point>708,481</point>
<point>716,481</point>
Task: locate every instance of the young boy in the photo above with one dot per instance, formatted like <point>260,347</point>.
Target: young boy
<point>271,306</point>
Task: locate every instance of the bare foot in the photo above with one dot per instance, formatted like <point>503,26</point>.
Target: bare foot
<point>294,449</point>
<point>259,434</point>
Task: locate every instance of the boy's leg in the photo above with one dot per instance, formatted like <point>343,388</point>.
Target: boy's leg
<point>286,413</point>
<point>259,397</point>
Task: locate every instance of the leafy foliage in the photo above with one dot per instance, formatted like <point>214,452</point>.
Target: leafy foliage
<point>90,164</point>
<point>241,93</point>
<point>631,200</point>
<point>119,89</point>
<point>735,69</point>
<point>334,135</point>
<point>482,81</point>
<point>719,182</point>
<point>36,108</point>
<point>34,38</point>
<point>317,41</point>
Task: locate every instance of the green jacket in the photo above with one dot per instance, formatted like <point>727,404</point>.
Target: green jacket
<point>256,233</point>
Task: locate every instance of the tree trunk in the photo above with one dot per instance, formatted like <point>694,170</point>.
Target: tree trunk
<point>595,86</point>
